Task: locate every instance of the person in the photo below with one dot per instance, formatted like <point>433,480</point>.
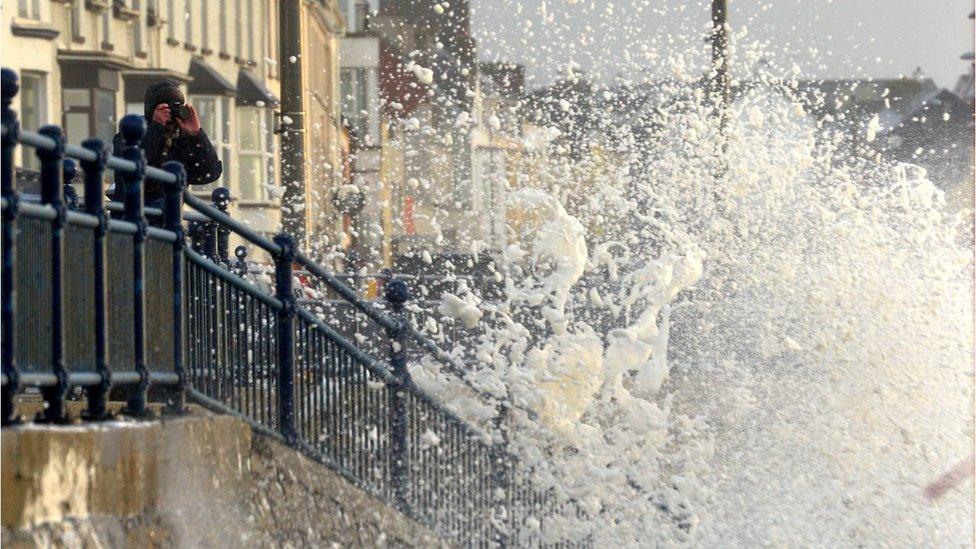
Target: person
<point>171,137</point>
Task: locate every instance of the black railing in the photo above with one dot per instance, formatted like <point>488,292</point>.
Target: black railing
<point>162,320</point>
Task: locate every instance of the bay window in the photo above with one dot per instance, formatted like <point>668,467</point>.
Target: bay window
<point>89,112</point>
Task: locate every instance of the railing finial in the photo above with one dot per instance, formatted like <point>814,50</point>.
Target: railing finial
<point>9,86</point>
<point>133,128</point>
<point>397,293</point>
<point>221,198</point>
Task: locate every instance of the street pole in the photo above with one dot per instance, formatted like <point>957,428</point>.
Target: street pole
<point>293,200</point>
<point>720,59</point>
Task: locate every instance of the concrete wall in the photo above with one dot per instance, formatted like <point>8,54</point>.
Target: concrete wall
<point>195,481</point>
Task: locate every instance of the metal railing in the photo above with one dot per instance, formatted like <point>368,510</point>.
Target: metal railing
<point>161,320</point>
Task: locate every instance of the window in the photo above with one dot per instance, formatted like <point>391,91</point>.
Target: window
<point>362,12</point>
<point>249,21</point>
<point>76,10</point>
<point>204,25</point>
<point>33,110</point>
<point>223,26</point>
<point>188,21</point>
<point>171,20</point>
<point>214,113</point>
<point>238,33</point>
<point>138,28</point>
<point>225,141</point>
<point>355,12</point>
<point>105,121</point>
<point>89,112</point>
<point>107,30</point>
<point>256,153</point>
<point>354,100</point>
<point>31,9</point>
<point>271,37</point>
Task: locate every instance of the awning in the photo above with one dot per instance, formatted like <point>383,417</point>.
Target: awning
<point>207,81</point>
<point>251,91</point>
<point>137,80</point>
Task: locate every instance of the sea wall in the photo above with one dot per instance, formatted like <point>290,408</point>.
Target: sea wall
<point>192,481</point>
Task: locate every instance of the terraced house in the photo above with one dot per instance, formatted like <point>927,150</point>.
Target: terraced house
<point>85,63</point>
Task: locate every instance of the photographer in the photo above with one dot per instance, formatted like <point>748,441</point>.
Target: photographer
<point>173,133</point>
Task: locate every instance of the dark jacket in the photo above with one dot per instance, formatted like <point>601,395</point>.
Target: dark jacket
<point>195,152</point>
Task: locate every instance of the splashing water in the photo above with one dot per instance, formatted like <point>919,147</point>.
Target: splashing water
<point>743,336</point>
<point>819,372</point>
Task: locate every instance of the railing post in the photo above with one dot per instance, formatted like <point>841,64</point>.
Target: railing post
<point>133,128</point>
<point>240,266</point>
<point>95,206</point>
<point>52,189</point>
<point>70,195</point>
<point>196,230</point>
<point>284,262</point>
<point>208,239</point>
<point>501,486</point>
<point>220,197</point>
<point>9,88</point>
<point>397,293</point>
<point>173,221</point>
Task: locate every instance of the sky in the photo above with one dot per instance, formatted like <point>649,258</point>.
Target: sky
<point>825,38</point>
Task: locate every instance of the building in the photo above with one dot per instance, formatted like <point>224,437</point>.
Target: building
<point>429,94</point>
<point>85,63</point>
<point>498,148</point>
<point>359,60</point>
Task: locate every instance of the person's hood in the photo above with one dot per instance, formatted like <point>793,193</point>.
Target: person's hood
<point>165,91</point>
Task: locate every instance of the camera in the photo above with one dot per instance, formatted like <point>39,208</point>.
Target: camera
<point>179,110</point>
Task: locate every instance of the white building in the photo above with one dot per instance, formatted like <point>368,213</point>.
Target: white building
<point>83,64</point>
<point>359,60</point>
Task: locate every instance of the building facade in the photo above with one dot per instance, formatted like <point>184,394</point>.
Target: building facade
<point>85,63</point>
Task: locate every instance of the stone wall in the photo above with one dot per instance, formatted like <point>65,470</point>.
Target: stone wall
<point>192,481</point>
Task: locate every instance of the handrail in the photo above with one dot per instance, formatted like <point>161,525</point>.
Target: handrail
<point>221,218</point>
<point>39,141</point>
<point>113,206</point>
<point>346,292</point>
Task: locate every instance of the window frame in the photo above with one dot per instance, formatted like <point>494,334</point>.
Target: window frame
<point>29,9</point>
<point>204,27</point>
<point>92,111</point>
<point>28,159</point>
<point>107,31</point>
<point>219,136</point>
<point>188,22</point>
<point>171,21</point>
<point>265,150</point>
<point>352,105</point>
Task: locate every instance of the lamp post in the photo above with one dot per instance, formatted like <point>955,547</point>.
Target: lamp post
<point>720,59</point>
<point>292,123</point>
